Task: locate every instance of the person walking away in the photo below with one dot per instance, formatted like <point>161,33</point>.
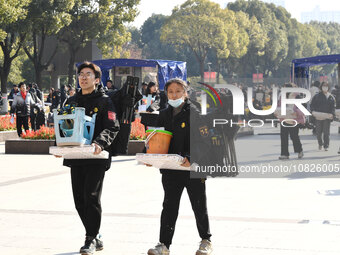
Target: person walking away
<point>323,102</point>
<point>291,127</point>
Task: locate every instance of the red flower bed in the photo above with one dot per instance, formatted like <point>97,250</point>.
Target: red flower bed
<point>137,130</point>
<point>44,133</point>
<point>5,124</point>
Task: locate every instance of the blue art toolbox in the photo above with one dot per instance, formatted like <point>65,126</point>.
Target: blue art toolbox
<point>74,128</point>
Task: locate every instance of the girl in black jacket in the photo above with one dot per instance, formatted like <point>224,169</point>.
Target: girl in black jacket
<point>176,119</point>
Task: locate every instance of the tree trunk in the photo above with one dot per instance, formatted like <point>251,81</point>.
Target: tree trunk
<point>4,107</point>
<point>202,69</point>
<point>7,62</point>
<point>38,74</point>
<point>71,65</point>
<point>218,72</point>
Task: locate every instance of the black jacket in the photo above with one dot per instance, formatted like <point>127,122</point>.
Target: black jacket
<point>106,125</point>
<point>179,126</point>
<point>320,103</point>
<point>336,94</point>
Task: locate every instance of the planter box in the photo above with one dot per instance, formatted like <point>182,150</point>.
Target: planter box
<point>5,135</point>
<point>135,146</point>
<point>24,146</point>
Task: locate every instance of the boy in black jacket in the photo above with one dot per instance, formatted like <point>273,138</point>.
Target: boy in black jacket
<point>87,175</point>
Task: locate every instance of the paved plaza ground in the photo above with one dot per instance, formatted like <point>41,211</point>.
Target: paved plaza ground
<point>290,215</point>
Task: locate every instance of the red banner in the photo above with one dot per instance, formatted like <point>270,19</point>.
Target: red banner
<point>210,76</point>
<point>258,78</point>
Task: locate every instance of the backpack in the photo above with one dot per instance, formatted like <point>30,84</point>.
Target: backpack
<point>216,156</point>
<point>124,100</point>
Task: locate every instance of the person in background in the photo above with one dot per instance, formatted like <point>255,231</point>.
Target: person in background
<point>160,101</point>
<point>39,93</point>
<point>34,110</point>
<point>176,119</point>
<point>144,87</point>
<point>291,127</point>
<point>56,99</point>
<point>336,94</point>
<point>315,89</point>
<point>22,105</point>
<point>71,91</point>
<point>50,95</point>
<point>111,89</point>
<point>63,94</point>
<point>323,102</point>
<point>12,94</point>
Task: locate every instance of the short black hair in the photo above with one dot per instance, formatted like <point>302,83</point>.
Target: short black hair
<point>94,67</point>
<point>151,84</point>
<point>109,81</point>
<point>21,83</point>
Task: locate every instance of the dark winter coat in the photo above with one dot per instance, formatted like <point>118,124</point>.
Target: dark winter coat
<point>106,125</point>
<point>320,103</point>
<point>179,126</point>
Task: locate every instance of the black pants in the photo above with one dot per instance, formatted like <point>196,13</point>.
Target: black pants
<point>22,121</point>
<point>87,184</point>
<point>173,185</point>
<point>33,121</point>
<point>323,127</point>
<point>293,132</point>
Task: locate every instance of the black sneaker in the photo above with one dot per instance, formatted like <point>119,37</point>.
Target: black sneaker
<point>99,243</point>
<point>89,247</point>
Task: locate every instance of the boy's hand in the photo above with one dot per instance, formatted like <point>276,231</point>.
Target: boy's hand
<point>97,150</point>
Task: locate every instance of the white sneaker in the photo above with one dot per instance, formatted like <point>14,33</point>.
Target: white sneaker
<point>160,249</point>
<point>205,248</point>
<point>300,155</point>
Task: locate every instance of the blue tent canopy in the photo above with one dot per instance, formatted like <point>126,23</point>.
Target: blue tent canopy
<point>167,69</point>
<point>300,67</point>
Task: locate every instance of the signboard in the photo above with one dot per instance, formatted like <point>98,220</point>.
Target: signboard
<point>323,78</point>
<point>123,70</point>
<point>258,78</point>
<point>209,76</point>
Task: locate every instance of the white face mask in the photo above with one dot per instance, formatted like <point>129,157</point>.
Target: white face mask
<point>176,103</point>
<point>324,88</point>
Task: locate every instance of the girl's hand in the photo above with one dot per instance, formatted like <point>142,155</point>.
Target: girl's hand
<point>186,162</point>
